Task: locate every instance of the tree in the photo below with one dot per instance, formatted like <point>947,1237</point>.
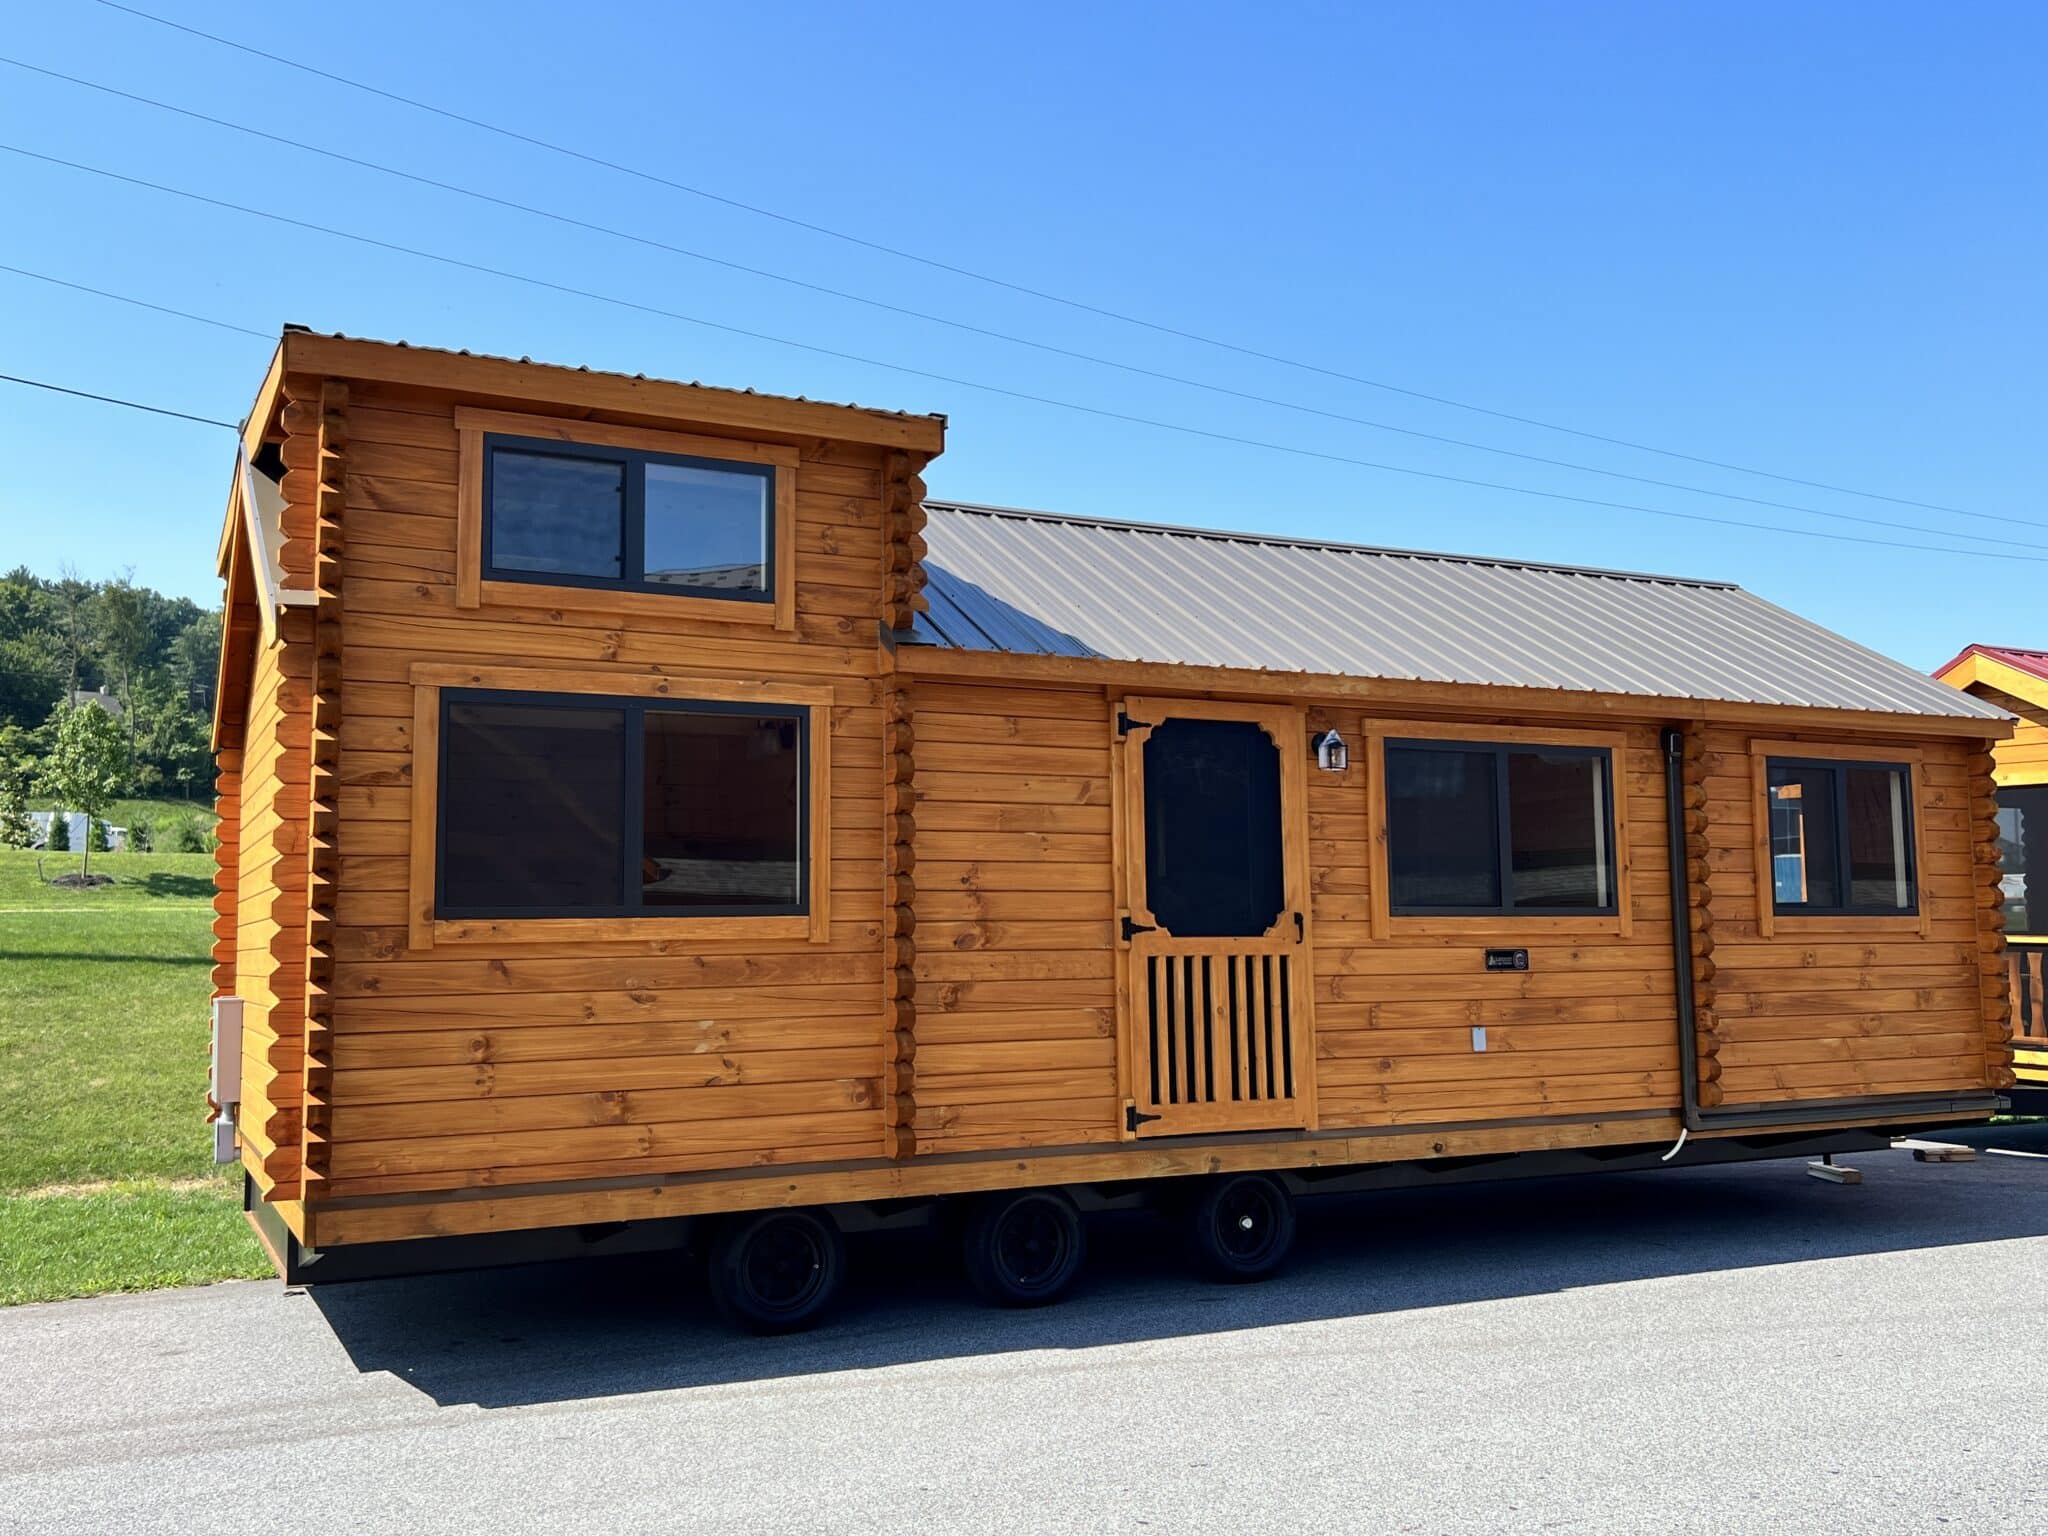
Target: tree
<point>31,675</point>
<point>15,829</point>
<point>87,765</point>
<point>120,633</point>
<point>172,745</point>
<point>71,601</point>
<point>193,660</point>
<point>32,665</point>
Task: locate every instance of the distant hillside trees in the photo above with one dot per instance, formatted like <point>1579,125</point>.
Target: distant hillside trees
<point>155,656</point>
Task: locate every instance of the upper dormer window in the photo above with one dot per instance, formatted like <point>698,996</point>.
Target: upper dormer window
<point>571,514</point>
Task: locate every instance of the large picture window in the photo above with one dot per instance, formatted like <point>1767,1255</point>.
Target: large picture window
<point>1480,829</point>
<point>1841,837</point>
<point>574,514</point>
<point>576,806</point>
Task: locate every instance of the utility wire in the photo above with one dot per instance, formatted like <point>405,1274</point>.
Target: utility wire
<point>980,330</point>
<point>1104,413</point>
<point>133,405</point>
<point>1044,295</point>
<point>122,298</point>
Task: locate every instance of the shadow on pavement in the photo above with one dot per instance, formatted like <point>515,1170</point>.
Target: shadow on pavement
<point>600,1328</point>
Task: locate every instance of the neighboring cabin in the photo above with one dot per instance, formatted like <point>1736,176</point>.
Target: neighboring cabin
<point>2017,680</point>
<point>638,801</point>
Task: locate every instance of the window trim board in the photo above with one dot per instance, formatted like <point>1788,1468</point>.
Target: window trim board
<point>1386,923</point>
<point>425,928</point>
<point>1768,919</point>
<point>475,587</point>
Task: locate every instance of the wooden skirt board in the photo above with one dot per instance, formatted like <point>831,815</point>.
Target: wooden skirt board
<point>340,1222</point>
<point>1216,1007</point>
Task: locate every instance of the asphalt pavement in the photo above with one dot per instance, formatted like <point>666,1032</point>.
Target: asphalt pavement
<point>1717,1350</point>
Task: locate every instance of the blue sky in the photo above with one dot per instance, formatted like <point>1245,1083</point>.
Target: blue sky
<point>1804,238</point>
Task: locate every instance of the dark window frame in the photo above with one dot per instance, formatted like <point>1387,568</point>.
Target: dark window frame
<point>2036,929</point>
<point>633,515</point>
<point>1839,767</point>
<point>633,771</point>
<point>1504,845</point>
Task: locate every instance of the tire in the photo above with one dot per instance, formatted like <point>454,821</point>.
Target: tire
<point>1024,1247</point>
<point>776,1271</point>
<point>1241,1227</point>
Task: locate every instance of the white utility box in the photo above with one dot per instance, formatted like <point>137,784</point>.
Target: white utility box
<point>224,1076</point>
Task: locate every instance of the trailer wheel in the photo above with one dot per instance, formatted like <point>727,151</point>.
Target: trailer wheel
<point>776,1271</point>
<point>1024,1247</point>
<point>1241,1227</point>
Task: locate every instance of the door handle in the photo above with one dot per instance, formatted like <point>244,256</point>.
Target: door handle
<point>1300,929</point>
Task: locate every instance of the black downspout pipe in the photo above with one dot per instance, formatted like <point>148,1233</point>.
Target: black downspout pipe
<point>1681,928</point>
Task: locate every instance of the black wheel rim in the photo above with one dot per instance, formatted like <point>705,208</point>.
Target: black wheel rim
<point>1033,1244</point>
<point>783,1267</point>
<point>1248,1221</point>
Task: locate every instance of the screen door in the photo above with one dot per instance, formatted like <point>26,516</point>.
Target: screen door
<point>1218,998</point>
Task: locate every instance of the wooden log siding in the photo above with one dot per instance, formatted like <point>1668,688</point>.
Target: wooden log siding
<point>1847,1007</point>
<point>903,547</point>
<point>270,890</point>
<point>227,865</point>
<point>1014,973</point>
<point>899,926</point>
<point>488,1062</point>
<point>1995,983</point>
<point>329,423</point>
<point>1700,915</point>
<point>1588,1029</point>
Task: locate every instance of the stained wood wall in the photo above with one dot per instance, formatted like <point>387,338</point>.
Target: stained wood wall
<point>1016,1031</point>
<point>1016,988</point>
<point>1844,1007</point>
<point>490,1063</point>
<point>1589,1027</point>
<point>269,890</point>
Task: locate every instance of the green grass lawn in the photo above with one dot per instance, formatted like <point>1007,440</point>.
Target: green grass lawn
<point>106,1173</point>
<point>122,813</point>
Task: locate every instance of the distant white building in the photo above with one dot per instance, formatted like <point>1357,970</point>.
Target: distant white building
<point>39,821</point>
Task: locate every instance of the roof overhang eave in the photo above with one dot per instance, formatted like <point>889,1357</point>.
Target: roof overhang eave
<point>1529,703</point>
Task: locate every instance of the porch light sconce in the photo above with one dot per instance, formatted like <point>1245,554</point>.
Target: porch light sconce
<point>1332,756</point>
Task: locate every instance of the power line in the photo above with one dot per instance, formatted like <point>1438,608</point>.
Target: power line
<point>1015,394</point>
<point>137,405</point>
<point>1022,341</point>
<point>1044,295</point>
<point>122,298</point>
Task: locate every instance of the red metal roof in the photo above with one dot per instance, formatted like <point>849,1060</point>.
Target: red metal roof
<point>2033,663</point>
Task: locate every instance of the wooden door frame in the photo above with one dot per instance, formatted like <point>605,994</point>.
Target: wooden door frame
<point>1287,725</point>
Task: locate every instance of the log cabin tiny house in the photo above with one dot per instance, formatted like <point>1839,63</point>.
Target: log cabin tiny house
<point>2016,680</point>
<point>643,809</point>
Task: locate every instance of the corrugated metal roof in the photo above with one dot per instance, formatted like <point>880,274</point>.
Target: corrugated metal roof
<point>1036,582</point>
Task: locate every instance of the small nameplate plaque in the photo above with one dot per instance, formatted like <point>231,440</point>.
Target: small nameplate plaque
<point>1507,959</point>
